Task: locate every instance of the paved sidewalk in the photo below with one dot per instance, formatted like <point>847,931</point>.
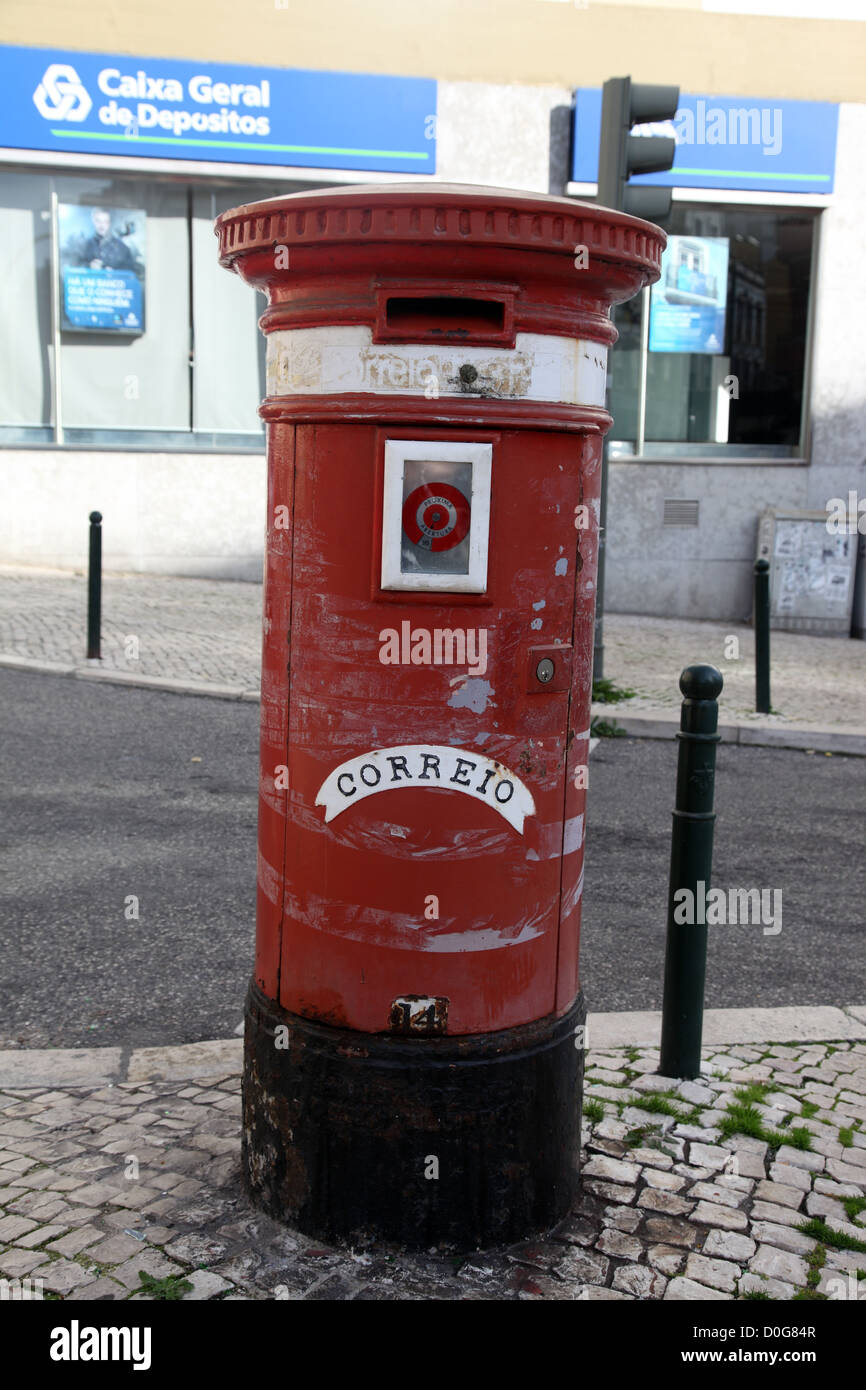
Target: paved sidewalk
<point>204,635</point>
<point>817,683</point>
<point>187,632</point>
<point>105,1179</point>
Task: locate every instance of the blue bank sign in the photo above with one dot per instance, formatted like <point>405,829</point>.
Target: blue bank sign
<point>728,142</point>
<point>158,108</point>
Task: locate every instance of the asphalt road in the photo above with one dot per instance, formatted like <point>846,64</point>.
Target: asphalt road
<point>111,793</point>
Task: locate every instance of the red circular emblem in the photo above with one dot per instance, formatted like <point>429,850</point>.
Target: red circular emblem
<point>436,516</point>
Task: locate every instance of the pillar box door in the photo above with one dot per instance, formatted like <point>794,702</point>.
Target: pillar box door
<point>436,387</point>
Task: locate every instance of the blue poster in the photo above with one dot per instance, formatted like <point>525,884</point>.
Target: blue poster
<point>102,262</point>
<point>165,108</point>
<point>689,300</point>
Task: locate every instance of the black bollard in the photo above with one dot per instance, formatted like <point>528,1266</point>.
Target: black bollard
<point>691,869</point>
<point>94,589</point>
<point>762,636</point>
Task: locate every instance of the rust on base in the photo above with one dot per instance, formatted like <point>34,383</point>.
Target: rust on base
<point>462,1142</point>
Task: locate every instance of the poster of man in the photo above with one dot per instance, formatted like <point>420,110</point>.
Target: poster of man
<point>688,304</point>
<point>102,268</point>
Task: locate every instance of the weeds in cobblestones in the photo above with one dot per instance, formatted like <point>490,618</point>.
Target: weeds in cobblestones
<point>169,1288</point>
<point>593,1110</point>
<point>809,1109</point>
<point>854,1206</point>
<point>92,1266</point>
<point>754,1093</point>
<point>798,1138</point>
<point>647,1137</point>
<point>604,692</point>
<point>659,1104</point>
<point>743,1118</point>
<point>605,728</point>
<point>817,1260</point>
<point>817,1228</point>
<point>846,1136</point>
<point>755,1293</point>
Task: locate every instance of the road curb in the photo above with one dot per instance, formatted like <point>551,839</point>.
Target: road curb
<point>104,1066</point>
<point>657,724</point>
<point>817,738</point>
<point>107,676</point>
<point>728,1027</point>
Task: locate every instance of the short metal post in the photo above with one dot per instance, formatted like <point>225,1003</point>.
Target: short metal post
<point>94,588</point>
<point>691,869</point>
<point>598,641</point>
<point>762,636</point>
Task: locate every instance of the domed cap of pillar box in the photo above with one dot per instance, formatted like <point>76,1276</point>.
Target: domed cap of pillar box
<point>521,262</point>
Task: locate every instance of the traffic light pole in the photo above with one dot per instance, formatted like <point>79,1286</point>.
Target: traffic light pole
<point>598,641</point>
<point>621,154</point>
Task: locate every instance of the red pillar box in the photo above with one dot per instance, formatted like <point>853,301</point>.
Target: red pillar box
<point>435,408</point>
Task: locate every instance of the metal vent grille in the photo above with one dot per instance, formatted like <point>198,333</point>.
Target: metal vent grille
<point>680,512</point>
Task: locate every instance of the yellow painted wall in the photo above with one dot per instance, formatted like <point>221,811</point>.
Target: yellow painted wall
<point>530,41</point>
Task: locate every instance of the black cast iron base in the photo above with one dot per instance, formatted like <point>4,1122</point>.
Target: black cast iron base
<point>461,1142</point>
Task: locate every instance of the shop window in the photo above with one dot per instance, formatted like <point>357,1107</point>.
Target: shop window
<point>712,360</point>
<point>158,346</point>
<point>124,255</point>
<point>25,302</point>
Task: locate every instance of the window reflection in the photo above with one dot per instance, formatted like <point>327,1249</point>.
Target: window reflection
<point>744,388</point>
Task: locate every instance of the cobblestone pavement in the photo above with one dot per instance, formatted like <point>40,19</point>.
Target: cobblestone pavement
<point>185,629</point>
<point>814,680</point>
<point>102,1183</point>
<point>208,631</point>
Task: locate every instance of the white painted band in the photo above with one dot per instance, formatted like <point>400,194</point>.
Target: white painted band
<point>331,361</point>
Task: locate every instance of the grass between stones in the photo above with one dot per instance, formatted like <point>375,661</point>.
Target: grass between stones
<point>817,1228</point>
<point>593,1110</point>
<point>604,692</point>
<point>754,1092</point>
<point>647,1137</point>
<point>605,728</point>
<point>173,1286</point>
<point>744,1118</point>
<point>656,1104</point>
<point>816,1263</point>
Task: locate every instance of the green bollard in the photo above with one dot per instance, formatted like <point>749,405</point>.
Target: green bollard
<point>94,589</point>
<point>691,868</point>
<point>762,636</point>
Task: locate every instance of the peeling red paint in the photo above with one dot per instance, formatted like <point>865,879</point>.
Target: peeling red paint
<point>345,923</point>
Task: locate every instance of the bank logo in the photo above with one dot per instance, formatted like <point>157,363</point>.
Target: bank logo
<point>61,95</point>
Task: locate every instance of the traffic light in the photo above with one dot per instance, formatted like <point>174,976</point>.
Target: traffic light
<point>621,154</point>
